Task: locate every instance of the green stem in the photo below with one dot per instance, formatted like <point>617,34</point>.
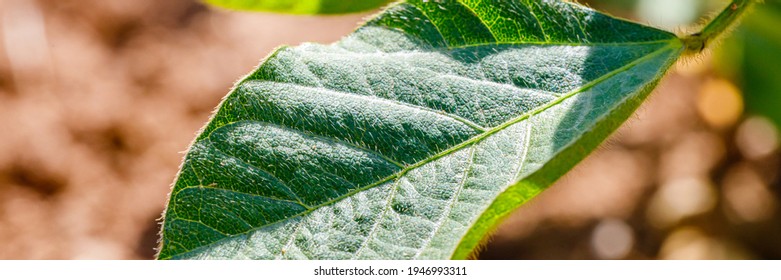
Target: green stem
<point>721,24</point>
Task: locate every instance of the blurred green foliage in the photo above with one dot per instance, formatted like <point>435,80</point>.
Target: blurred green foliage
<point>751,56</point>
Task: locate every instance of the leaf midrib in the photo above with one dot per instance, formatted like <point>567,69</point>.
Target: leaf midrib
<point>474,140</point>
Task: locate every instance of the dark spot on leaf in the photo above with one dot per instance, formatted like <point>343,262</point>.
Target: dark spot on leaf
<point>362,220</point>
<point>403,208</point>
<point>364,224</point>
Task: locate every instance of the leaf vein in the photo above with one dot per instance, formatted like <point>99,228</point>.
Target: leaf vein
<point>241,192</point>
<point>264,171</point>
<point>375,98</point>
<point>391,195</point>
<point>290,241</point>
<point>453,200</point>
<point>482,21</point>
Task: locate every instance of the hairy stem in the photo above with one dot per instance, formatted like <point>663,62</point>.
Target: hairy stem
<point>721,24</point>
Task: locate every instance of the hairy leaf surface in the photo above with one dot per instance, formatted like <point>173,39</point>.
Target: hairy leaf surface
<point>412,137</point>
<point>301,6</point>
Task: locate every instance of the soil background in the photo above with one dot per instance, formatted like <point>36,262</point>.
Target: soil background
<point>99,98</point>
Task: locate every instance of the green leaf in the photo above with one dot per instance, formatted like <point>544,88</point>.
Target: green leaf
<point>412,137</point>
<point>300,6</point>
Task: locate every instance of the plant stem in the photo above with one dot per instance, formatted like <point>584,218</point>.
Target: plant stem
<point>721,24</point>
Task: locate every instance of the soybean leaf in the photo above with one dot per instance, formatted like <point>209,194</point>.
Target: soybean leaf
<point>412,137</point>
<point>300,6</point>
